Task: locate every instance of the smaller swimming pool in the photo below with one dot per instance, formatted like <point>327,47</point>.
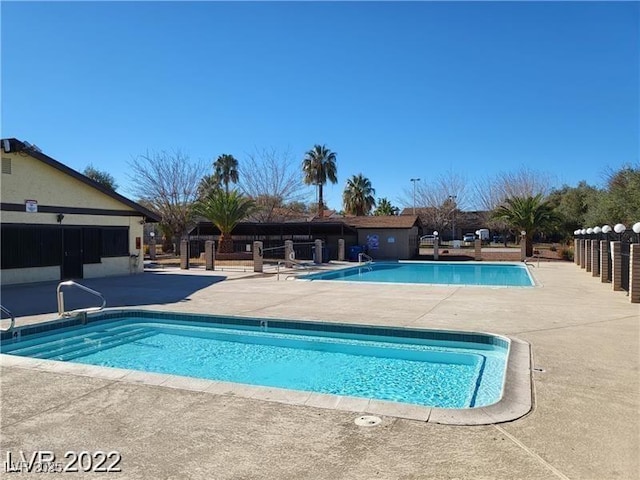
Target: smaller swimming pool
<point>440,273</point>
<point>423,367</point>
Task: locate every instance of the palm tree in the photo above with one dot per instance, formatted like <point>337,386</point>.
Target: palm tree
<point>226,169</point>
<point>208,184</point>
<point>384,207</point>
<point>528,214</point>
<point>358,196</point>
<point>225,210</point>
<point>318,166</point>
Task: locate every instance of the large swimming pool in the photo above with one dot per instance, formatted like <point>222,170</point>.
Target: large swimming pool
<point>423,367</point>
<point>443,273</point>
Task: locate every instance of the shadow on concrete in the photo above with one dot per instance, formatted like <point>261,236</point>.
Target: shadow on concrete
<point>126,291</point>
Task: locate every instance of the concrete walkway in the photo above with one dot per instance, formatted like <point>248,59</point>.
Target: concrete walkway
<point>585,339</point>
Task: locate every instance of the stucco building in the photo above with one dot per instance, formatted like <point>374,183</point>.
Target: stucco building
<point>392,237</point>
<point>57,223</point>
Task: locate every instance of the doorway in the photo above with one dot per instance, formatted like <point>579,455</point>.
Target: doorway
<point>72,253</point>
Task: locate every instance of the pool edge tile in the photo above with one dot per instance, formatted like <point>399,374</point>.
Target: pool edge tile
<point>146,378</point>
<point>7,360</point>
<point>232,389</point>
<point>188,383</point>
<point>322,400</point>
<point>281,395</point>
<point>399,410</point>
<point>353,404</point>
<point>470,416</point>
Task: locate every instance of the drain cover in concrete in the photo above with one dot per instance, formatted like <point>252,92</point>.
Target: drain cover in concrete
<point>368,421</point>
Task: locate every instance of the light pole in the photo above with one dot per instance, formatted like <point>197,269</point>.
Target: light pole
<point>453,216</point>
<point>414,180</point>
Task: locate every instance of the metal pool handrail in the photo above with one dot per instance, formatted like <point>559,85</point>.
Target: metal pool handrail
<point>6,311</point>
<point>300,264</point>
<point>362,255</point>
<point>60,296</point>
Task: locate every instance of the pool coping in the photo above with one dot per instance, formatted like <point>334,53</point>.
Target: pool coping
<point>516,400</point>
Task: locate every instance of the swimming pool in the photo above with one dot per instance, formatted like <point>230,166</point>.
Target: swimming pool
<point>421,367</point>
<point>443,273</point>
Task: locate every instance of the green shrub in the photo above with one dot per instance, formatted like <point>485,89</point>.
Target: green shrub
<point>567,254</point>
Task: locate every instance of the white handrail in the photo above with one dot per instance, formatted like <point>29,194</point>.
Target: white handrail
<point>13,318</point>
<point>60,296</point>
<point>362,255</point>
<point>280,262</point>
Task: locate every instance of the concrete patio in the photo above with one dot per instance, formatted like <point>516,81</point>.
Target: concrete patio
<point>584,423</point>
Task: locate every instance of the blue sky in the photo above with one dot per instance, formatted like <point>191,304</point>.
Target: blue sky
<point>398,90</point>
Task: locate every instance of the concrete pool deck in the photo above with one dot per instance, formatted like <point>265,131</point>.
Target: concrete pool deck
<point>584,424</point>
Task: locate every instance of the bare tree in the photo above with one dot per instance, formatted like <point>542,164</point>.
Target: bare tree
<point>168,183</point>
<point>272,179</point>
<point>492,192</point>
<point>439,200</point>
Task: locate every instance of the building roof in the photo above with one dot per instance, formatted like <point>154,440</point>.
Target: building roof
<point>15,145</point>
<point>383,221</point>
<point>339,226</point>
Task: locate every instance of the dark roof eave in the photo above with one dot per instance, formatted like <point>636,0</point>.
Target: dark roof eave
<point>18,146</point>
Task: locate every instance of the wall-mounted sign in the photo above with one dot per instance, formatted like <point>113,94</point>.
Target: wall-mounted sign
<point>373,242</point>
<point>31,206</point>
<point>391,239</point>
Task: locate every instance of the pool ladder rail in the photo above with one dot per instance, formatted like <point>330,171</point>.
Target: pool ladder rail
<point>295,263</point>
<point>80,311</point>
<point>367,258</point>
<point>7,312</point>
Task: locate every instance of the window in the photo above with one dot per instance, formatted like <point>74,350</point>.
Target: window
<point>91,245</point>
<point>115,242</point>
<point>26,246</point>
<point>6,165</point>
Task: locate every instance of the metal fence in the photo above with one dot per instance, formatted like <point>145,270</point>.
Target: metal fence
<point>273,251</point>
<point>274,248</point>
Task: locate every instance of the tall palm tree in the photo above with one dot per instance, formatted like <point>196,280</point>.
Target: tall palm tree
<point>358,196</point>
<point>384,207</point>
<point>528,214</point>
<point>225,210</point>
<point>318,166</point>
<point>226,169</point>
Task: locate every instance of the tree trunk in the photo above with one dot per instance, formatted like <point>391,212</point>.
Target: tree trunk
<point>226,243</point>
<point>320,202</point>
<point>529,246</point>
<point>176,244</point>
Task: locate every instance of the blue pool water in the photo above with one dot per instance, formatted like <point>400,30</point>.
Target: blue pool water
<point>459,273</point>
<point>434,372</point>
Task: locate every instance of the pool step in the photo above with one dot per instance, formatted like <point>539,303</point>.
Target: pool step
<point>66,345</point>
<point>99,346</point>
<point>61,340</point>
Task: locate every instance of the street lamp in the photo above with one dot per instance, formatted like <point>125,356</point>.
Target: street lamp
<point>453,216</point>
<point>619,228</point>
<point>636,230</point>
<point>414,180</point>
